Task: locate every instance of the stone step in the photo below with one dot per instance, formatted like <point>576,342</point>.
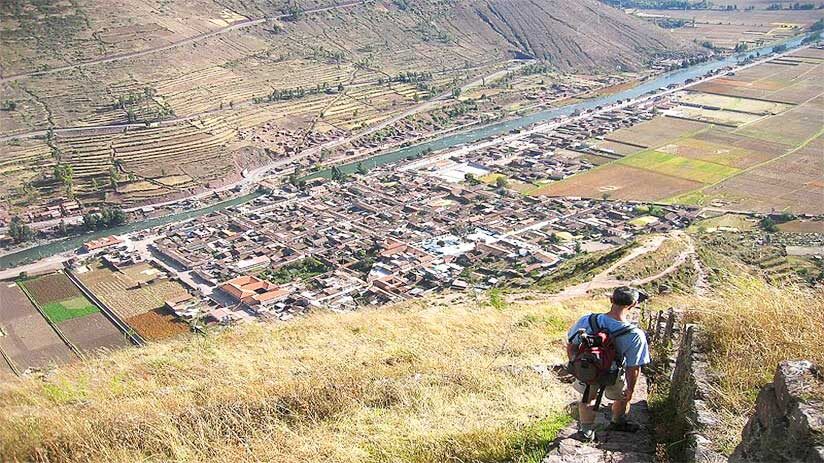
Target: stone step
<point>611,446</point>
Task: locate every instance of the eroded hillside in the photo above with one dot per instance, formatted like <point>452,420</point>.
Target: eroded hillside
<point>165,100</point>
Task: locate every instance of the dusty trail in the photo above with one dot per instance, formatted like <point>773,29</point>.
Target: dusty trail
<point>605,280</point>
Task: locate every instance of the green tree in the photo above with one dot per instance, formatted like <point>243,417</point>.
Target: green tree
<point>501,182</point>
<point>362,169</point>
<point>19,231</point>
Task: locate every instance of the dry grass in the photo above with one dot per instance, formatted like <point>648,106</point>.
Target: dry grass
<point>418,382</point>
<point>752,326</point>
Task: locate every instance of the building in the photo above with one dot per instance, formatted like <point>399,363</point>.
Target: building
<point>253,291</point>
<point>101,243</point>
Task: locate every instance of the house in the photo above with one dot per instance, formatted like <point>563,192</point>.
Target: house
<point>101,243</point>
<point>253,291</point>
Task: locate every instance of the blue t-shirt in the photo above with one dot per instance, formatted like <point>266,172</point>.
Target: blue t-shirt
<point>632,347</point>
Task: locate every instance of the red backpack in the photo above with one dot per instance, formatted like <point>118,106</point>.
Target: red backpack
<point>596,363</point>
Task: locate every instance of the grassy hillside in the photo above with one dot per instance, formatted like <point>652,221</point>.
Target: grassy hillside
<point>426,382</point>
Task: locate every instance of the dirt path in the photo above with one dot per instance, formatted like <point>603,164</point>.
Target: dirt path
<point>605,280</point>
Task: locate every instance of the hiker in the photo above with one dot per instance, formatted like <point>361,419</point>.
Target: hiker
<point>606,353</point>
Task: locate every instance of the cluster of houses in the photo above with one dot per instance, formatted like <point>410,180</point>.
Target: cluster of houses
<point>383,237</point>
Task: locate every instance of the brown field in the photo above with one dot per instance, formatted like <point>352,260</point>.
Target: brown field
<point>726,29</point>
<point>733,103</point>
<point>802,226</point>
<point>792,84</point>
<point>92,333</point>
<point>52,288</point>
<point>29,340</point>
<point>792,127</point>
<point>714,116</point>
<point>619,182</point>
<point>618,148</point>
<point>119,290</point>
<point>657,131</point>
<point>756,146</point>
<point>794,183</point>
<point>157,324</point>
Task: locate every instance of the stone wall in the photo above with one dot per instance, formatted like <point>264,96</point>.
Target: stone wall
<point>788,423</point>
<point>691,380</point>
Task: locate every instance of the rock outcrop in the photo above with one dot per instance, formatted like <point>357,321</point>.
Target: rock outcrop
<point>788,423</point>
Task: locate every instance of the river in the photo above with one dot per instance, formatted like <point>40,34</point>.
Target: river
<point>49,249</point>
<point>677,77</point>
<point>473,135</point>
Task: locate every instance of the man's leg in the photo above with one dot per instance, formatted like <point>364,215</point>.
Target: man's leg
<point>586,413</point>
<point>620,408</point>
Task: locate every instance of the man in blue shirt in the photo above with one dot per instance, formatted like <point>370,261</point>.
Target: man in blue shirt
<point>633,351</point>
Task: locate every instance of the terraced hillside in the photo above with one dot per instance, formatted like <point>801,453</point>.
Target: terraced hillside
<point>171,98</point>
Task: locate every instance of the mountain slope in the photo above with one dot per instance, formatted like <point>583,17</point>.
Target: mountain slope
<point>571,35</point>
<point>397,384</point>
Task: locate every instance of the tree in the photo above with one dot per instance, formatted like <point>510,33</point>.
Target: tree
<point>470,179</point>
<point>768,225</point>
<point>106,218</point>
<point>65,174</point>
<point>337,174</point>
<point>19,231</point>
<point>501,182</point>
<point>362,169</point>
<point>456,92</point>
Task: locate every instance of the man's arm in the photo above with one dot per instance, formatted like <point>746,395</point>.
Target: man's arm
<point>632,378</point>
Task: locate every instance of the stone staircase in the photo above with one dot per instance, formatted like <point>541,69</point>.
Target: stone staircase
<point>611,447</point>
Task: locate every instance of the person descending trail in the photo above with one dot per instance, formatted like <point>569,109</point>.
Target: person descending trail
<point>606,353</point>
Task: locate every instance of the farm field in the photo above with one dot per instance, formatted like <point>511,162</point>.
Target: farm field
<point>656,132</point>
<point>771,163</point>
<point>726,29</point>
<point>58,297</point>
<point>802,226</point>
<point>713,116</point>
<point>132,291</point>
<point>794,183</point>
<point>28,340</point>
<point>793,79</point>
<point>679,167</point>
<point>733,103</point>
<point>619,181</point>
<point>93,333</point>
<point>157,325</point>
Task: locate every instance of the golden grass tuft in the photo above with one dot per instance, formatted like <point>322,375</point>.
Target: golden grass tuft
<point>412,383</point>
<point>752,326</point>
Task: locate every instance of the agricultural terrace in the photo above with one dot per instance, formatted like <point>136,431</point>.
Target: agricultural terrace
<point>248,96</point>
<point>80,321</point>
<point>27,339</point>
<point>772,162</point>
<point>58,297</point>
<point>137,294</point>
<point>257,94</point>
<point>157,325</point>
<point>727,29</point>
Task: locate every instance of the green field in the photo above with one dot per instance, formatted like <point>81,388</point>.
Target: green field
<point>677,166</point>
<point>69,308</point>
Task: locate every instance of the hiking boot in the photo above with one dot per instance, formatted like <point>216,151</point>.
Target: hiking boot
<point>586,437</point>
<point>626,426</point>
